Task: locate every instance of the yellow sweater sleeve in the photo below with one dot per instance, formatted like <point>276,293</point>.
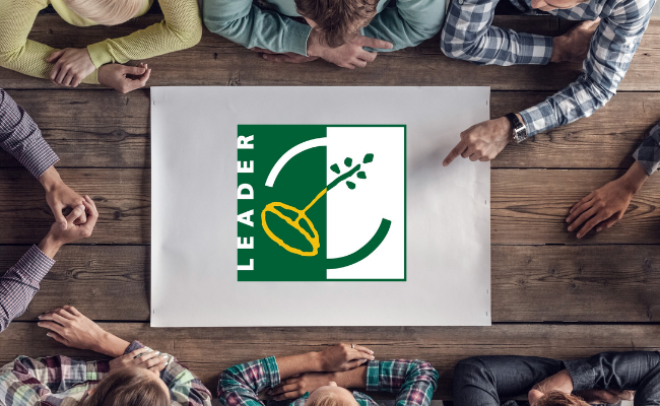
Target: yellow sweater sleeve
<point>16,51</point>
<point>180,29</point>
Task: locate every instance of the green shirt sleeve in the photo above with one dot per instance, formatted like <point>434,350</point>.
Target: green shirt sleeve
<point>407,24</point>
<point>242,22</point>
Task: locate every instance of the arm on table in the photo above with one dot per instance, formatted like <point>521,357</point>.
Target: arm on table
<point>414,381</point>
<point>246,24</point>
<point>407,24</point>
<point>181,28</point>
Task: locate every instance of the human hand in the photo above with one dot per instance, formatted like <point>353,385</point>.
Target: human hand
<point>124,78</point>
<point>605,206</point>
<point>295,387</point>
<point>575,44</point>
<point>153,361</point>
<point>57,237</point>
<point>73,329</point>
<point>287,57</point>
<point>602,396</point>
<point>72,66</point>
<point>342,357</point>
<point>60,196</point>
<point>483,141</point>
<point>351,54</point>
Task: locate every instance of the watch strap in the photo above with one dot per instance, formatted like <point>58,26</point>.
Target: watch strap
<point>519,129</point>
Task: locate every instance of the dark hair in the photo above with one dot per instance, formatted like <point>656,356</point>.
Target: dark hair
<point>129,387</point>
<point>556,398</point>
<point>337,20</point>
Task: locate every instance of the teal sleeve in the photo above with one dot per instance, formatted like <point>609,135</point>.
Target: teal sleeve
<point>407,24</point>
<point>242,22</point>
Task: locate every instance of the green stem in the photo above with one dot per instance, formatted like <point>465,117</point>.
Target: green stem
<point>343,177</point>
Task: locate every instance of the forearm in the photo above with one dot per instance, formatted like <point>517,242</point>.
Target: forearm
<point>648,153</point>
<point>355,378</point>
<point>181,29</point>
<point>612,370</point>
<point>407,25</point>
<point>468,35</point>
<point>299,364</point>
<point>111,345</point>
<point>245,24</point>
<point>20,136</point>
<point>20,283</point>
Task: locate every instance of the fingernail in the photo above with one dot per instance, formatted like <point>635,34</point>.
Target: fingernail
<point>598,229</point>
<point>570,228</point>
<point>371,351</point>
<point>39,316</point>
<point>48,334</point>
<point>157,352</point>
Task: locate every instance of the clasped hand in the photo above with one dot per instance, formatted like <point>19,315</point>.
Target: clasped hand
<point>351,55</point>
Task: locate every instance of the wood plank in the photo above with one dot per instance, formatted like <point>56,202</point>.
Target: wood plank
<point>605,140</point>
<point>208,351</point>
<point>93,128</point>
<point>102,128</point>
<point>576,284</point>
<point>105,282</point>
<point>121,195</point>
<point>216,61</point>
<point>593,283</point>
<point>528,207</point>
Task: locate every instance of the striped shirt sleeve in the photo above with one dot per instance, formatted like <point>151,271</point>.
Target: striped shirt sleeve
<point>20,283</point>
<point>414,381</point>
<point>20,136</point>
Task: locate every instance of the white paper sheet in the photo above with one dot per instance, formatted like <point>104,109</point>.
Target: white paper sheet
<point>194,228</point>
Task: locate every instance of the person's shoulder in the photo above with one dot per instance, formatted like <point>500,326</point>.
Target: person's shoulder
<point>628,9</point>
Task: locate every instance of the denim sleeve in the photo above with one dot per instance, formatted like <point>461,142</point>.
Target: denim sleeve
<point>483,381</point>
<point>613,370</point>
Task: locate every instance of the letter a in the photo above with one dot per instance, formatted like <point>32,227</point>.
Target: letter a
<point>246,218</point>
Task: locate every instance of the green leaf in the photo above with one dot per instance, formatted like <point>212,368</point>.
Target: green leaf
<point>362,175</point>
<point>368,158</point>
<point>350,185</point>
<point>335,168</point>
<point>348,162</point>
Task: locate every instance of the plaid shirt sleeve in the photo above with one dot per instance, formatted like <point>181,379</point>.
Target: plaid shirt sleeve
<point>20,136</point>
<point>20,283</point>
<point>414,381</point>
<point>240,385</point>
<point>185,387</point>
<point>648,154</point>
<point>468,34</point>
<point>612,49</point>
<point>27,381</point>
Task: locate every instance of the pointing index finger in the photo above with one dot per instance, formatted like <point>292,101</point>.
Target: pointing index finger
<point>458,150</point>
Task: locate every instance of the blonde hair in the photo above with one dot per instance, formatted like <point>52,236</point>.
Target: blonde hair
<point>328,398</point>
<point>106,12</point>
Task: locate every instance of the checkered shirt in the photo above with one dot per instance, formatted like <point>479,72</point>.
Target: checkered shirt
<point>648,154</point>
<point>62,381</point>
<point>20,283</point>
<point>468,34</point>
<point>413,381</point>
<point>20,136</point>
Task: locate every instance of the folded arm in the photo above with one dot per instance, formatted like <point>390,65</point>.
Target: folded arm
<point>469,35</point>
<point>407,24</point>
<point>240,385</point>
<point>246,24</point>
<point>414,381</point>
<point>181,28</point>
<point>612,49</point>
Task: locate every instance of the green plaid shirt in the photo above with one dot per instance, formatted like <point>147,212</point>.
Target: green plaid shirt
<point>62,381</point>
<point>413,381</point>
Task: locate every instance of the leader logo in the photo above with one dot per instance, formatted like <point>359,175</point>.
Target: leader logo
<point>321,203</point>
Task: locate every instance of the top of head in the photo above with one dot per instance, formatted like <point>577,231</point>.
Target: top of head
<point>331,396</point>
<point>130,386</point>
<point>338,21</point>
<point>107,12</point>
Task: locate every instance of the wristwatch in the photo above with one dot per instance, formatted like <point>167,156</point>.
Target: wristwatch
<point>519,129</point>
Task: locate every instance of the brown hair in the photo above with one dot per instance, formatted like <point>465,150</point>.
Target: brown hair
<point>129,387</point>
<point>556,398</point>
<point>337,20</point>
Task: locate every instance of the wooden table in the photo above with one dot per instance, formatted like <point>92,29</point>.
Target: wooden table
<point>553,295</point>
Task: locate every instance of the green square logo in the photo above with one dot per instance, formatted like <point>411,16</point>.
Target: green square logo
<point>321,203</point>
